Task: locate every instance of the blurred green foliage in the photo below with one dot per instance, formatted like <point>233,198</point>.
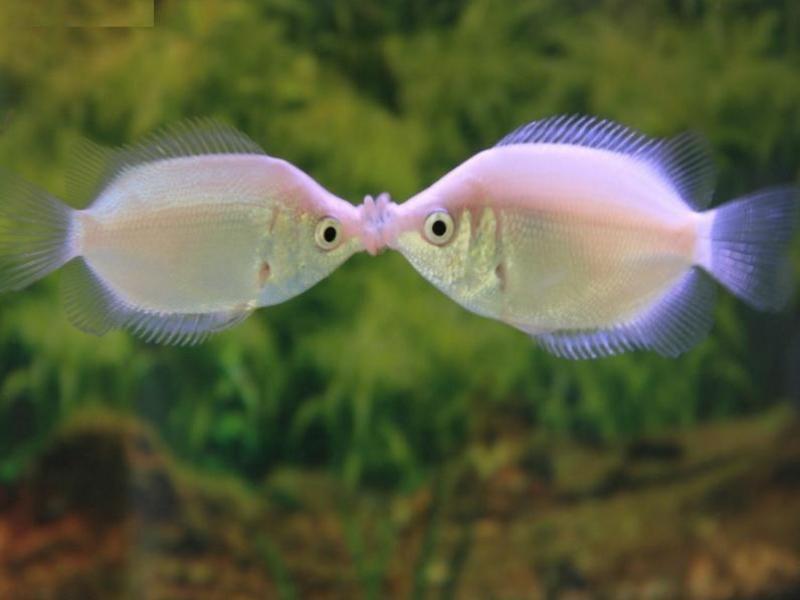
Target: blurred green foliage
<point>373,372</point>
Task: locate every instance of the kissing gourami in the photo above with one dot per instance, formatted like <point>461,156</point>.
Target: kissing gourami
<point>187,233</point>
<point>592,238</point>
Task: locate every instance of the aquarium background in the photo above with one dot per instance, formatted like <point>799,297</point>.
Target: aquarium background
<point>370,438</point>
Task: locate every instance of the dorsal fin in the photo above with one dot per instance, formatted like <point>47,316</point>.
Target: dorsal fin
<point>97,166</point>
<point>684,160</point>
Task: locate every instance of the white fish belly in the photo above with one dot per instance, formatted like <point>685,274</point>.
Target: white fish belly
<point>180,259</point>
<point>563,270</point>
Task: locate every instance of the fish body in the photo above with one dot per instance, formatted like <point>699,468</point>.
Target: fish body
<point>590,237</point>
<point>578,250</point>
<point>225,230</point>
<point>187,234</point>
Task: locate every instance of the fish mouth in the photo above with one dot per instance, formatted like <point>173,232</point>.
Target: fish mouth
<point>375,215</point>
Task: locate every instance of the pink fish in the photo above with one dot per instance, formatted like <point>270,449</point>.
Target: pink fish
<point>186,234</point>
<point>592,238</point>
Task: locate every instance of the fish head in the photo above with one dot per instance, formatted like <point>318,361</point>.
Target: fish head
<point>307,240</point>
<point>436,232</point>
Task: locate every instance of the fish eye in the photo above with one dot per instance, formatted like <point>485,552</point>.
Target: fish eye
<point>439,227</point>
<point>328,234</point>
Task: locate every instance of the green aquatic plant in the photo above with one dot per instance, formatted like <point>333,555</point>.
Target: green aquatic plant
<point>375,374</point>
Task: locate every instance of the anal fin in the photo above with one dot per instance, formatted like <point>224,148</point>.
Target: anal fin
<point>671,325</point>
<point>92,306</point>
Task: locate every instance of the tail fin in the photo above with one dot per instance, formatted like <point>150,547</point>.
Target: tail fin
<point>749,246</point>
<point>35,233</point>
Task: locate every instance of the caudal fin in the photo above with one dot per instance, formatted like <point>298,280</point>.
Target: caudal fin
<point>749,246</point>
<point>35,233</point>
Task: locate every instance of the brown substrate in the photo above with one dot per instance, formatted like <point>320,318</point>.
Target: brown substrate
<point>714,513</point>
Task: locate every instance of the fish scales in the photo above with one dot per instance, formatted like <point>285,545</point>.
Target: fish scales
<point>562,270</point>
<point>208,251</point>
